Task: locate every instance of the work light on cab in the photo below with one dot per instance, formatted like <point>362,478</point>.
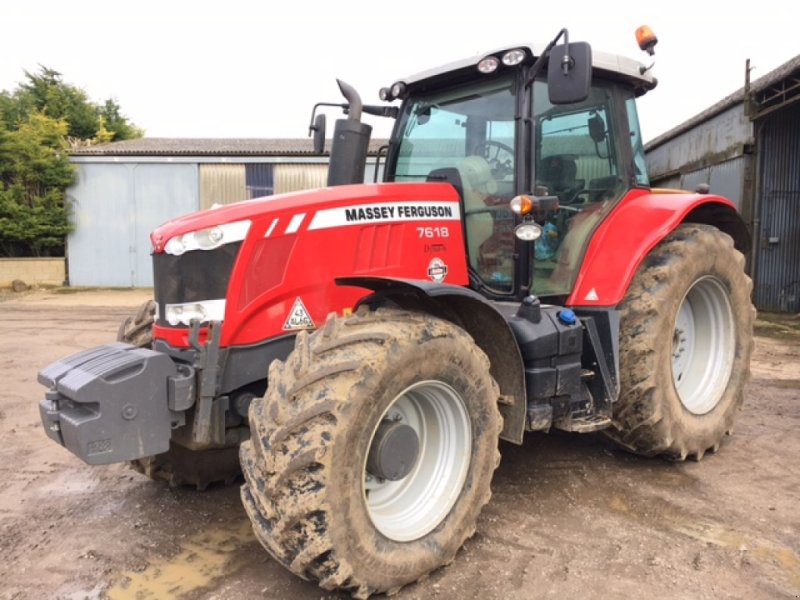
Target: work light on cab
<point>488,65</point>
<point>513,57</point>
<point>528,231</point>
<point>398,90</point>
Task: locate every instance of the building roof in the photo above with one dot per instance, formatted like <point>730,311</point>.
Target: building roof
<point>153,146</point>
<point>761,84</point>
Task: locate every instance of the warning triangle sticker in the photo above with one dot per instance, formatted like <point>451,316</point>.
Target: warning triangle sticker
<point>298,317</point>
<point>591,296</point>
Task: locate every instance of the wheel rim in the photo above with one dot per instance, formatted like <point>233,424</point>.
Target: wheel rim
<point>703,345</point>
<point>407,509</point>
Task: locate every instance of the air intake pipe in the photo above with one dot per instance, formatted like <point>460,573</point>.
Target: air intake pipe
<point>350,142</point>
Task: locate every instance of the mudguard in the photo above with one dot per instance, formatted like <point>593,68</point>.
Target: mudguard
<point>640,221</point>
<point>486,325</point>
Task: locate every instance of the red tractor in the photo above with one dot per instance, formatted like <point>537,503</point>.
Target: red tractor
<point>361,349</point>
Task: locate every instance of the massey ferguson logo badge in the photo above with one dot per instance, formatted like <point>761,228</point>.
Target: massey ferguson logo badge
<point>437,270</point>
<point>298,317</point>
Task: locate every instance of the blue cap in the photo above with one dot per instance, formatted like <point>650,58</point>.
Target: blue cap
<point>566,316</point>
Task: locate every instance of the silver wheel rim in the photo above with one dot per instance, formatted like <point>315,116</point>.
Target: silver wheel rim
<point>408,509</point>
<point>703,345</point>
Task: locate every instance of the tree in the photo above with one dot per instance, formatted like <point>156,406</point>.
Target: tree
<point>35,171</point>
<point>39,121</point>
<point>116,123</point>
<point>47,93</point>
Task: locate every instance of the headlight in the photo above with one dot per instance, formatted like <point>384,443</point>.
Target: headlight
<point>208,239</point>
<point>205,311</point>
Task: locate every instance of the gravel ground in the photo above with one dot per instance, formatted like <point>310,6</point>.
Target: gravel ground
<point>571,515</point>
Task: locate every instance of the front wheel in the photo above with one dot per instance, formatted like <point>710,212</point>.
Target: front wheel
<point>373,450</point>
<point>685,344</point>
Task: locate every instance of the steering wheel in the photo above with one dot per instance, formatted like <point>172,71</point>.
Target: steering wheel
<point>491,150</point>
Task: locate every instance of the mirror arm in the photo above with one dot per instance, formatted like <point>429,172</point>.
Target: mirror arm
<point>540,61</point>
<point>381,111</point>
<point>311,127</point>
<point>566,61</point>
<point>643,69</point>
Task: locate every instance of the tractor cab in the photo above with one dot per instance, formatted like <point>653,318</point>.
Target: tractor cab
<point>554,124</point>
<point>493,138</point>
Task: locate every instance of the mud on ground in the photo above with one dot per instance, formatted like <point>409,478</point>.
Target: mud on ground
<point>571,515</point>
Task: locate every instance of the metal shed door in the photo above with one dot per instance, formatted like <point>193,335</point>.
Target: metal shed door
<point>161,192</point>
<point>778,274</point>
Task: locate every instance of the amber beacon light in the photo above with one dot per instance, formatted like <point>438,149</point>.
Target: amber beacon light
<point>646,39</point>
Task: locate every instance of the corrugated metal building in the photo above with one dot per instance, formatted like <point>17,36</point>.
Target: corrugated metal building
<point>124,190</point>
<point>747,147</point>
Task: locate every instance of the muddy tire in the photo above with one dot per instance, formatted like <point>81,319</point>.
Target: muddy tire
<point>138,328</point>
<point>685,344</point>
<point>310,488</point>
<point>178,466</point>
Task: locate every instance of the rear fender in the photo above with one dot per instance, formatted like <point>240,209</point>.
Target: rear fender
<point>640,221</point>
<point>477,317</point>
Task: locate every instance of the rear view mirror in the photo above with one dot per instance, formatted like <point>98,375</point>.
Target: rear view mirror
<point>319,133</point>
<point>569,73</point>
<point>597,129</point>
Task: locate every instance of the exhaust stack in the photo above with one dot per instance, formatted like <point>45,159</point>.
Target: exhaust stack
<point>350,142</point>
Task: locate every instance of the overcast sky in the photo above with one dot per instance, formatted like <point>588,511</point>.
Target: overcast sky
<point>233,68</point>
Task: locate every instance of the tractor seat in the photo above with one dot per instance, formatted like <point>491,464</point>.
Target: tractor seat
<point>448,175</point>
<point>602,188</point>
<point>557,173</point>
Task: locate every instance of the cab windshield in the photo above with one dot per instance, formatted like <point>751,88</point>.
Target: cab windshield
<point>467,137</point>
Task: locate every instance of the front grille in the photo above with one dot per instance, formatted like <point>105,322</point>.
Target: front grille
<point>192,277</point>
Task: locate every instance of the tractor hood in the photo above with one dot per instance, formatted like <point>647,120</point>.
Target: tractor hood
<point>304,209</point>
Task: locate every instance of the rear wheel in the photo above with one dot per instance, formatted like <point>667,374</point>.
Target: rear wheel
<point>373,450</point>
<point>138,328</point>
<point>178,466</point>
<point>685,344</point>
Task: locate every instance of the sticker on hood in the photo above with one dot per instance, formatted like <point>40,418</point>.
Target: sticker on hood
<point>298,317</point>
<point>437,270</point>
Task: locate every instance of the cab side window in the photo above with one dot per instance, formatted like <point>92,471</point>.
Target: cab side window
<point>578,161</point>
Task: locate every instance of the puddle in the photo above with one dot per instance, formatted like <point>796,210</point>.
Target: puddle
<point>711,533</point>
<point>777,382</point>
<point>203,558</point>
<point>784,558</point>
<point>759,550</point>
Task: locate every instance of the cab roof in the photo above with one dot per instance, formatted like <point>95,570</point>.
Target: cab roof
<point>612,66</point>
